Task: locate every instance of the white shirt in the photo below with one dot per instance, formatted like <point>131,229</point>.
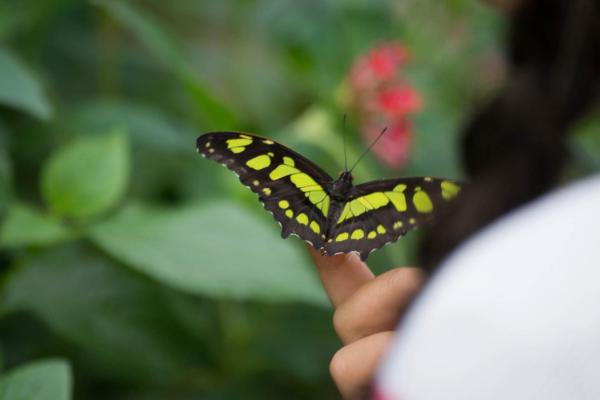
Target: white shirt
<point>513,314</point>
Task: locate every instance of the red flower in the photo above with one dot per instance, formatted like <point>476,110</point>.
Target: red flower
<point>386,59</point>
<point>384,98</point>
<point>394,147</point>
<point>379,65</point>
<point>398,101</point>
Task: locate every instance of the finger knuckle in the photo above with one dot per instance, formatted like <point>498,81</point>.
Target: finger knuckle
<point>345,326</point>
<point>403,279</point>
<point>340,324</point>
<point>338,366</point>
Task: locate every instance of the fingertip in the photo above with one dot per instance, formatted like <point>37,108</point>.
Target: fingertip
<point>353,366</point>
<point>340,274</point>
<point>314,253</point>
<point>324,261</point>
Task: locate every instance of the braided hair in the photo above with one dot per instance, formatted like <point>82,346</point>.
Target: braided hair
<point>514,148</point>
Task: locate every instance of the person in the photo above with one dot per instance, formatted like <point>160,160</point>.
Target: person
<point>505,304</point>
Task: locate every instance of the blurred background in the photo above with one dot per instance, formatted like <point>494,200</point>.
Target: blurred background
<point>131,268</point>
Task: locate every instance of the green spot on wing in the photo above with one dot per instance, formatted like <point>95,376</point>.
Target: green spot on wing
<point>422,202</point>
<point>449,190</point>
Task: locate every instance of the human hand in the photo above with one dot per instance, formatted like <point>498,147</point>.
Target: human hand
<point>367,309</point>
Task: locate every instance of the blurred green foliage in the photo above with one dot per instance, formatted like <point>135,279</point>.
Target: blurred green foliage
<point>52,381</point>
<point>149,272</point>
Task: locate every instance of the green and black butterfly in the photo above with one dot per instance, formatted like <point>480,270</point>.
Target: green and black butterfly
<point>333,215</point>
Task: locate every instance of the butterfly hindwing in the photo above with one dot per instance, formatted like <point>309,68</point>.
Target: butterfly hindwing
<point>291,187</point>
<point>380,212</point>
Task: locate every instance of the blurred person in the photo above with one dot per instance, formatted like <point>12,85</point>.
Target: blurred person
<point>507,302</point>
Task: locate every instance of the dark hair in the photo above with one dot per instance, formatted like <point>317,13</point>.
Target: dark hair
<point>514,148</point>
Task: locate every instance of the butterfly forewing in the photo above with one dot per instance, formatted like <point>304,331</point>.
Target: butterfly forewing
<point>382,211</point>
<point>291,187</point>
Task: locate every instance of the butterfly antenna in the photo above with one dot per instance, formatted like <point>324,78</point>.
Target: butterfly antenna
<point>369,148</point>
<point>344,140</point>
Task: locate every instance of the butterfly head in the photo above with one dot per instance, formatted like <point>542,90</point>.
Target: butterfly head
<point>343,184</point>
<point>345,176</point>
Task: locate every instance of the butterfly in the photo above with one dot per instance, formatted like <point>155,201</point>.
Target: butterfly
<point>333,215</point>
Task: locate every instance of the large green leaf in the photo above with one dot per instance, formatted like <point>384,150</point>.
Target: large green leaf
<point>26,226</point>
<point>88,176</point>
<point>19,88</point>
<point>40,380</point>
<point>217,250</point>
<point>120,319</point>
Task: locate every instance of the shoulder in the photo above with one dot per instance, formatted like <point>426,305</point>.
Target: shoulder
<point>513,312</point>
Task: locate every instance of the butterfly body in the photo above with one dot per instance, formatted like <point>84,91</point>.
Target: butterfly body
<point>340,191</point>
<point>334,216</point>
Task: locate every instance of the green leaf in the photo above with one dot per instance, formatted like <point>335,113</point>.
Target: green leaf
<point>119,318</point>
<point>216,250</point>
<point>19,88</point>
<point>167,50</point>
<point>162,146</point>
<point>25,226</point>
<point>40,380</point>
<point>5,176</point>
<point>147,126</point>
<point>88,176</point>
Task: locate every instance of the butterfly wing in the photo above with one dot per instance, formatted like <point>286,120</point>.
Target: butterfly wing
<point>289,186</point>
<point>380,212</point>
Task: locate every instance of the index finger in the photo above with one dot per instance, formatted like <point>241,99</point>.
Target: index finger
<point>341,275</point>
